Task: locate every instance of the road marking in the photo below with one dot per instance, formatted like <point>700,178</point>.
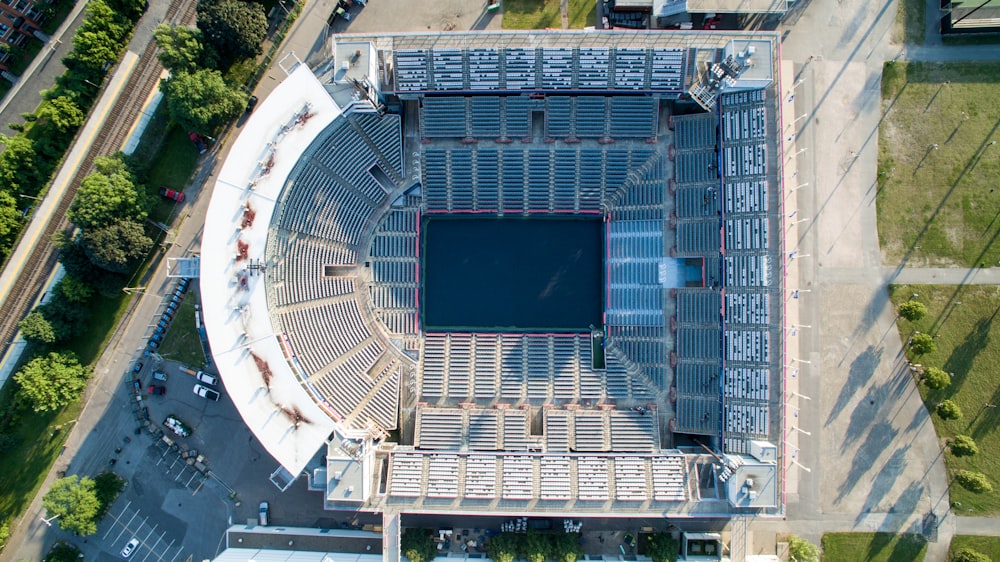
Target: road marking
<point>112,528</point>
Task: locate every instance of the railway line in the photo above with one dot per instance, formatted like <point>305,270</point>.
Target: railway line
<point>35,270</point>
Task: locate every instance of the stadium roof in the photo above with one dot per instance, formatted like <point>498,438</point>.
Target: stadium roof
<point>234,303</point>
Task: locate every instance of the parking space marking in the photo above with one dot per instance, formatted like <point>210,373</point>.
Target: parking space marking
<point>152,539</point>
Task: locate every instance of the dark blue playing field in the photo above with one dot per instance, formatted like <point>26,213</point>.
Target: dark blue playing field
<point>536,274</point>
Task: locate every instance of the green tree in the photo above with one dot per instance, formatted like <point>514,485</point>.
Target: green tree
<point>202,100</point>
<point>20,167</point>
<point>504,547</point>
<point>922,344</point>
<point>68,319</point>
<point>62,112</point>
<point>963,446</point>
<point>129,9</point>
<point>936,379</point>
<point>536,547</point>
<point>10,221</point>
<point>35,328</point>
<point>4,533</point>
<point>912,310</point>
<point>102,17</point>
<point>117,247</point>
<point>232,29</point>
<point>180,48</point>
<point>801,550</point>
<point>107,486</point>
<point>73,257</point>
<point>74,289</point>
<point>52,381</point>
<point>7,443</point>
<point>566,547</point>
<point>662,547</point>
<point>63,551</point>
<point>969,555</point>
<point>93,49</point>
<point>948,410</point>
<point>75,502</point>
<point>973,481</point>
<point>417,545</point>
<point>105,199</point>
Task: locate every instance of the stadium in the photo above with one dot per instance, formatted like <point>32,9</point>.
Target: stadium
<point>511,273</point>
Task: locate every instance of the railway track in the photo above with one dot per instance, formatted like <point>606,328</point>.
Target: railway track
<point>109,139</point>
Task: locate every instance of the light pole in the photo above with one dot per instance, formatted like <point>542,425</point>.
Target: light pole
<point>793,461</point>
<point>800,430</point>
<point>802,396</point>
<point>48,522</point>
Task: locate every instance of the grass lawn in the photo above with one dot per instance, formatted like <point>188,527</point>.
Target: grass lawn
<point>39,438</point>
<point>963,317</point>
<point>182,342</point>
<point>873,547</point>
<point>171,167</point>
<point>911,19</point>
<point>539,14</point>
<point>990,546</point>
<point>940,206</point>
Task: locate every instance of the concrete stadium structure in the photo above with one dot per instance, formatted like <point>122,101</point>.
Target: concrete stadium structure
<point>310,274</point>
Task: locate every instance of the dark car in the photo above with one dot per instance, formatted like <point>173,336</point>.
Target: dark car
<point>138,367</point>
<point>163,323</point>
<point>152,344</point>
<point>171,194</point>
<point>159,330</point>
<point>157,389</point>
<point>251,103</point>
<point>199,142</point>
<point>157,338</point>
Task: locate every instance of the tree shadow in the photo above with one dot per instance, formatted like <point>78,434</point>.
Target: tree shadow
<point>964,355</point>
<point>860,371</point>
<point>883,482</point>
<point>879,438</point>
<point>988,418</point>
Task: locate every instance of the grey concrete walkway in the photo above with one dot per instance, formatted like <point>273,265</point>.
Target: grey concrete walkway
<point>942,276</point>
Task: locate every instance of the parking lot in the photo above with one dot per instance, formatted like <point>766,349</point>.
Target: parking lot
<point>129,522</point>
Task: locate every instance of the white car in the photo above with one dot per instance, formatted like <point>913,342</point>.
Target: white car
<point>130,548</point>
<point>205,392</point>
<point>206,378</point>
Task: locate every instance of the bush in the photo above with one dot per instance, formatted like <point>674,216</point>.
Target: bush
<point>418,545</point>
<point>922,344</point>
<point>913,310</point>
<point>963,446</point>
<point>801,550</point>
<point>969,555</point>
<point>975,482</point>
<point>936,379</point>
<point>63,551</point>
<point>949,410</point>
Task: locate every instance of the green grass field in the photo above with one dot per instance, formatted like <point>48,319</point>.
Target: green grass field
<point>171,167</point>
<point>540,14</point>
<point>182,342</point>
<point>963,318</point>
<point>990,546</point>
<point>873,547</point>
<point>940,206</point>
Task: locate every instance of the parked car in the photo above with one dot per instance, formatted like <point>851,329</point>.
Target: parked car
<point>157,389</point>
<point>205,392</point>
<point>159,330</point>
<point>137,367</point>
<point>160,376</point>
<point>263,514</point>
<point>199,142</point>
<point>174,424</point>
<point>207,378</point>
<point>251,103</point>
<point>168,315</point>
<point>157,338</point>
<point>130,547</point>
<point>172,194</point>
<point>152,344</point>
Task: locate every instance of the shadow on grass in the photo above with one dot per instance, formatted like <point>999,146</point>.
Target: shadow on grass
<point>964,355</point>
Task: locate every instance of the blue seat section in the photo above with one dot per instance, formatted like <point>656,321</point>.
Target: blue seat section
<point>590,117</point>
<point>695,132</point>
<point>443,117</point>
<point>559,116</point>
<point>517,117</point>
<point>485,116</point>
<point>633,117</point>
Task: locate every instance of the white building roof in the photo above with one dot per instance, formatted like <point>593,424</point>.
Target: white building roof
<point>235,311</point>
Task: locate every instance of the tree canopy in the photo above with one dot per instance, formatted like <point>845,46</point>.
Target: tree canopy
<point>232,29</point>
<point>969,555</point>
<point>503,547</point>
<point>118,246</point>
<point>35,328</point>
<point>181,48</point>
<point>51,381</point>
<point>662,547</point>
<point>417,545</point>
<point>94,49</point>
<point>936,379</point>
<point>963,446</point>
<point>948,410</point>
<point>912,310</point>
<point>107,196</point>
<point>74,501</point>
<point>62,113</point>
<point>20,168</point>
<point>801,550</point>
<point>922,344</point>
<point>975,482</point>
<point>202,100</point>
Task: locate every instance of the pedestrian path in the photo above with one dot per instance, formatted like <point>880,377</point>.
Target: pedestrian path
<point>942,275</point>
